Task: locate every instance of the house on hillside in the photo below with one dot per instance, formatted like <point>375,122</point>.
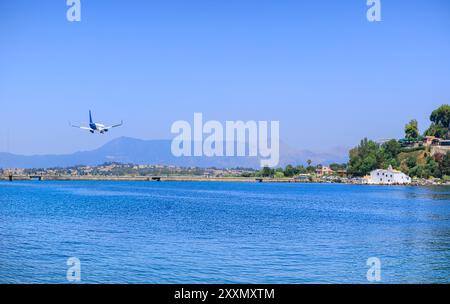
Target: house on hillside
<point>388,177</point>
<point>324,171</point>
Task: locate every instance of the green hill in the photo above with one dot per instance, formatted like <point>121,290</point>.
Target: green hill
<point>412,155</point>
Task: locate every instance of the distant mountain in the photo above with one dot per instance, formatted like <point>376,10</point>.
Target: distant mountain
<point>137,151</point>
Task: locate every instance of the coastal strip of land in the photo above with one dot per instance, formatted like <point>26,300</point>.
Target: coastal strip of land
<point>184,178</point>
<point>144,178</point>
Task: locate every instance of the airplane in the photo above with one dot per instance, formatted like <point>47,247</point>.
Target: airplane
<point>93,126</point>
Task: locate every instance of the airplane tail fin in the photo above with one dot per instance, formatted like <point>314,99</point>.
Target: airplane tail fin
<point>90,117</point>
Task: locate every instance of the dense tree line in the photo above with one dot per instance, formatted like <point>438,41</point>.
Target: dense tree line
<point>291,171</point>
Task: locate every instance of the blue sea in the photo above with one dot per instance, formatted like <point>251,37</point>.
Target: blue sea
<point>194,232</point>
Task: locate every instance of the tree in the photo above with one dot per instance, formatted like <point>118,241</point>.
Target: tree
<point>417,171</point>
<point>411,162</point>
<point>309,162</point>
<point>300,170</point>
<point>391,149</point>
<point>444,165</point>
<point>388,154</point>
<point>441,116</point>
<point>368,164</point>
<point>433,167</point>
<point>440,122</point>
<point>267,172</point>
<point>412,130</point>
<point>364,158</point>
<point>438,131</point>
<point>289,171</point>
<point>279,174</point>
<point>311,169</point>
<point>337,167</point>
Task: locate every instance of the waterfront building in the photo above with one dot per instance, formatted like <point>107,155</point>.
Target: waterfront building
<point>324,171</point>
<point>388,177</point>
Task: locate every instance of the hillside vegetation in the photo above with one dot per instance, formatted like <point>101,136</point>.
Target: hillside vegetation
<point>410,155</point>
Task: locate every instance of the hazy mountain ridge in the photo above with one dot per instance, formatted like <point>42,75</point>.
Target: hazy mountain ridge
<point>138,151</point>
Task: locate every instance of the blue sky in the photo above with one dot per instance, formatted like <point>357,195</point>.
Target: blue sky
<point>319,67</point>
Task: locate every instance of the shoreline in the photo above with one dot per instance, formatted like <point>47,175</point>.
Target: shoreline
<point>203,179</point>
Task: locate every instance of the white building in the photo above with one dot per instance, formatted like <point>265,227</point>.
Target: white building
<point>388,177</point>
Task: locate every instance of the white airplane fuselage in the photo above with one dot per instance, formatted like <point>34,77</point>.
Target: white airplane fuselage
<point>98,127</point>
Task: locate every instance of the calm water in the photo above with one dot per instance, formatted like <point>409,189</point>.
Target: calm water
<point>222,232</point>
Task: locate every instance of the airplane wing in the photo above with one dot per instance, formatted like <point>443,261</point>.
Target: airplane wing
<point>113,126</point>
<point>81,127</point>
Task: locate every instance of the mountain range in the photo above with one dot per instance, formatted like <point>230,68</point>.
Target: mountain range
<point>138,151</point>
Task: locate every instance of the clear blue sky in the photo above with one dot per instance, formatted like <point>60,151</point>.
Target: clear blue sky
<point>319,67</point>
